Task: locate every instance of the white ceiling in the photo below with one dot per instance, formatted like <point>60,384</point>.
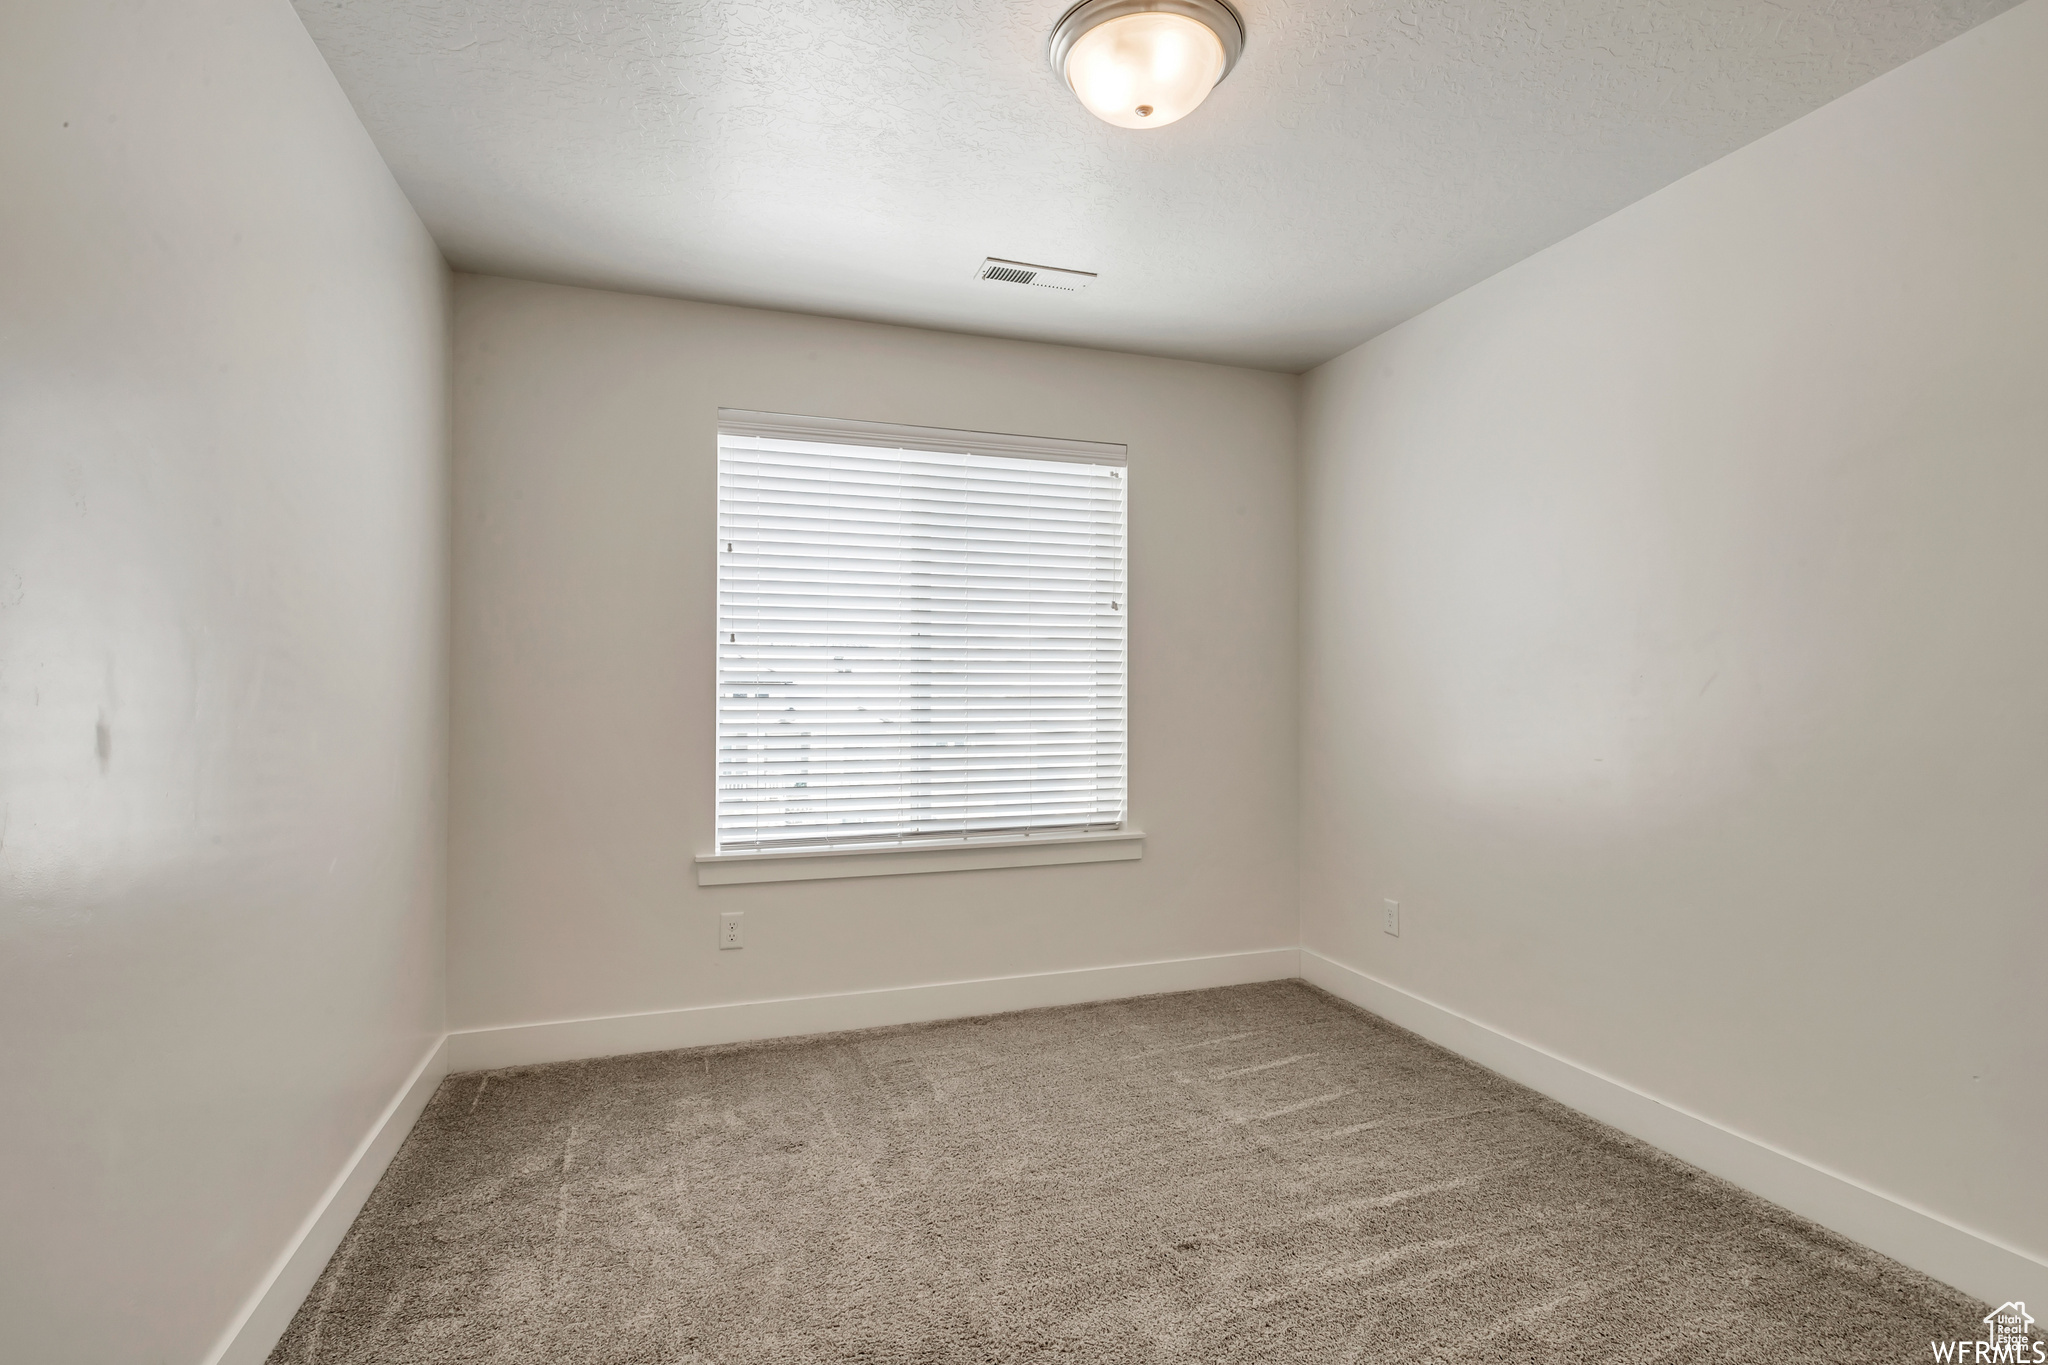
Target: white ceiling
<point>860,157</point>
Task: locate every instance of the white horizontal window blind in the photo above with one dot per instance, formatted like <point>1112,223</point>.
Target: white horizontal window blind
<point>916,644</point>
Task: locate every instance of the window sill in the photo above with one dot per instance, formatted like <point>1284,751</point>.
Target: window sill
<point>965,855</point>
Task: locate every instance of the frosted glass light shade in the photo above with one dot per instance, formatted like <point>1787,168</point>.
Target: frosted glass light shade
<point>1145,70</point>
<point>1145,63</point>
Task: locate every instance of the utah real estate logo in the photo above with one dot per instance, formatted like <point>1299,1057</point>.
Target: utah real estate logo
<point>2008,1337</point>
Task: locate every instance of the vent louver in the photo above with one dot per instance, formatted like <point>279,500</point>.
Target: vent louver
<point>1037,276</point>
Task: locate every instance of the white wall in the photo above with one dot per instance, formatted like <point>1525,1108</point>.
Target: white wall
<point>1675,642</point>
<point>584,621</point>
<point>222,682</point>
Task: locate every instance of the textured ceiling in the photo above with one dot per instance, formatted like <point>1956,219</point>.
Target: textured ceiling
<point>860,157</point>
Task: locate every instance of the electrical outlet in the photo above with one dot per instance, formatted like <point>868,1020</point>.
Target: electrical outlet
<point>1393,924</point>
<point>730,934</point>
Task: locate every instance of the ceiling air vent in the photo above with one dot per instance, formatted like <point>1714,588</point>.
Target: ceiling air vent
<point>1037,276</point>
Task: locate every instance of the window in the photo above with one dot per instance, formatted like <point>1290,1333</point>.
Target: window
<point>921,635</point>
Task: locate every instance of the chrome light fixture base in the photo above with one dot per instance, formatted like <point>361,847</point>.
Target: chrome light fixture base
<point>1218,17</point>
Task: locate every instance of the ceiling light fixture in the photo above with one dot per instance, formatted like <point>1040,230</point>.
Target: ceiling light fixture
<point>1145,63</point>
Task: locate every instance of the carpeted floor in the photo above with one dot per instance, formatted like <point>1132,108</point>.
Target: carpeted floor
<point>1259,1173</point>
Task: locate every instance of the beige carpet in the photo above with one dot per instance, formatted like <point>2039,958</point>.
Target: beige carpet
<point>1260,1173</point>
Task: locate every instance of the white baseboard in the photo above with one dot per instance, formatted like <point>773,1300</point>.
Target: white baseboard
<point>268,1311</point>
<point>701,1026</point>
<point>1971,1261</point>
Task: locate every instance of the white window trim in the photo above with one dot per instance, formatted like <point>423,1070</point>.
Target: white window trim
<point>938,855</point>
<point>890,436</point>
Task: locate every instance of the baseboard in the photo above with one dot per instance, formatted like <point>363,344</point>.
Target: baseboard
<point>268,1311</point>
<point>702,1026</point>
<point>1971,1261</point>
